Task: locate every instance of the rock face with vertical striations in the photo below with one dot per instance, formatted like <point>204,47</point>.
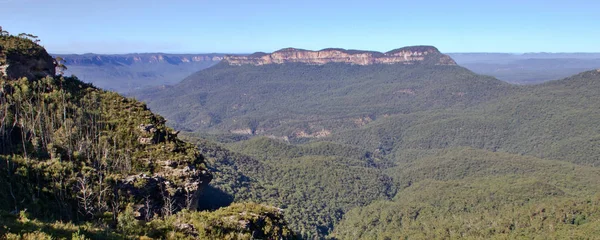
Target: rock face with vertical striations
<point>406,55</point>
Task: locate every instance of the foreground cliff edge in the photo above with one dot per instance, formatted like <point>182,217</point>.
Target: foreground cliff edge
<point>80,162</point>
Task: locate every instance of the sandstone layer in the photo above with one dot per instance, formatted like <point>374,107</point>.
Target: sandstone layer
<point>406,55</point>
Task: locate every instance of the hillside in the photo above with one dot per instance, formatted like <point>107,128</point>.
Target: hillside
<point>344,192</point>
<point>354,150</point>
<point>298,100</point>
<point>80,162</point>
<point>553,120</point>
<point>314,184</point>
<point>476,194</point>
<point>378,150</point>
<point>124,73</point>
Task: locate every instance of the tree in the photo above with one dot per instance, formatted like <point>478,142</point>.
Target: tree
<point>3,33</point>
<point>30,37</point>
<point>86,196</point>
<point>59,64</point>
<point>127,222</point>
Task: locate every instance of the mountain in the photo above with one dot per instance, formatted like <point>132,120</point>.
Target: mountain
<point>408,55</point>
<point>315,97</point>
<point>346,144</point>
<point>127,72</point>
<point>355,148</point>
<point>529,68</point>
<point>80,162</point>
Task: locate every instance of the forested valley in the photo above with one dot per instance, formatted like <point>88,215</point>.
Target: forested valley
<point>297,151</point>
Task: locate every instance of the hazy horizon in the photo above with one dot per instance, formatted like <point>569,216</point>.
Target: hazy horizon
<point>242,53</point>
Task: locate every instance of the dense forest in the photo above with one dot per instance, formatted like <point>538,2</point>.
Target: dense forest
<point>284,99</point>
<point>288,151</point>
<point>329,190</point>
<point>398,151</point>
<point>79,162</point>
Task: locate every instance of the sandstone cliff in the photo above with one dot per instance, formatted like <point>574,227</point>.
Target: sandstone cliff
<point>406,55</point>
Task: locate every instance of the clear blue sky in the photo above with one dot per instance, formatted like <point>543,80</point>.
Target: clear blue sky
<point>123,26</point>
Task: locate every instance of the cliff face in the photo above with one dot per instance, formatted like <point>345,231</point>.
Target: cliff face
<point>407,55</point>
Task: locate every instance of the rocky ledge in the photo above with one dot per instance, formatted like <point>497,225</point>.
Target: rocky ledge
<point>406,55</point>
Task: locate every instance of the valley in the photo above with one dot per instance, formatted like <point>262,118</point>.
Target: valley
<point>363,151</point>
<point>124,73</point>
<point>411,143</point>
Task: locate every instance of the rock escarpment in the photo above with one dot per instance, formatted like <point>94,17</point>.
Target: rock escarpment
<point>406,55</point>
<point>176,183</point>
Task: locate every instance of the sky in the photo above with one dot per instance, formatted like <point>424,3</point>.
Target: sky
<point>226,26</point>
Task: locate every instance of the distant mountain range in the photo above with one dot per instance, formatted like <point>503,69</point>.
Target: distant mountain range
<point>126,72</point>
<point>317,92</point>
<point>528,68</point>
<point>346,144</point>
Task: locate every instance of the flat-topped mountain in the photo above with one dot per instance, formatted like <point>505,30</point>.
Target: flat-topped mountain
<point>406,55</point>
<point>331,89</point>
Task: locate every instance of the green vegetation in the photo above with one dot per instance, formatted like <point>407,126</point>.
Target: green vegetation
<point>283,99</point>
<point>238,221</point>
<point>555,120</point>
<point>398,139</point>
<point>475,194</point>
<point>358,195</point>
<point>348,152</point>
<point>313,184</point>
<point>79,162</point>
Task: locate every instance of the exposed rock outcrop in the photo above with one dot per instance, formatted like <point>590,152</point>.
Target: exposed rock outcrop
<point>319,134</point>
<point>406,55</point>
<point>149,134</point>
<point>159,194</point>
<point>175,182</point>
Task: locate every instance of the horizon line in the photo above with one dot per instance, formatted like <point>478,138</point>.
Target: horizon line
<point>248,53</point>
